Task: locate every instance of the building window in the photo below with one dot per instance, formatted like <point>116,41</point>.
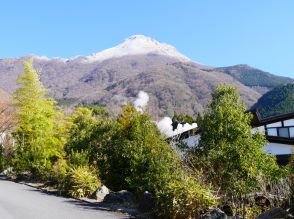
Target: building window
<point>291,130</point>
<point>283,132</point>
<point>272,132</point>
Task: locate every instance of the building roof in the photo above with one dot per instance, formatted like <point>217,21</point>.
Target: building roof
<point>259,121</point>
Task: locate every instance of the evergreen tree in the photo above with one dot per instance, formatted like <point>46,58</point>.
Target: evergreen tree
<point>229,152</point>
<point>81,126</point>
<point>37,132</point>
<point>136,156</point>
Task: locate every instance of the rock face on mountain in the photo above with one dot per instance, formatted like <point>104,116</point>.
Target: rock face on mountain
<point>115,76</point>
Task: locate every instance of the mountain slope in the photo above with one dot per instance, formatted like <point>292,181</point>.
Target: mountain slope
<point>255,78</point>
<point>278,101</point>
<point>115,76</point>
<point>4,97</point>
<point>172,85</point>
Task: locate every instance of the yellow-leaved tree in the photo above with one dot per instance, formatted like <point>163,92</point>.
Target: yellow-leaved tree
<point>39,128</point>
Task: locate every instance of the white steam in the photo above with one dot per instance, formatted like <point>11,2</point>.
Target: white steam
<point>141,102</point>
<point>165,127</point>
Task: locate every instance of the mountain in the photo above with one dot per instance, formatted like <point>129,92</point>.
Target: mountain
<point>137,45</point>
<point>115,76</point>
<point>278,101</point>
<point>258,80</point>
<point>4,97</point>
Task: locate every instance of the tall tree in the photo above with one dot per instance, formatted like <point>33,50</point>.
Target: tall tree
<point>37,131</point>
<point>229,152</point>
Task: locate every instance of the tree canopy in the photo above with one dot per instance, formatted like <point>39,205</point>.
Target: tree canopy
<point>229,153</point>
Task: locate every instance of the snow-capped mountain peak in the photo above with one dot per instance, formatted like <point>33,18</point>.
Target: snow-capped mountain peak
<point>137,45</point>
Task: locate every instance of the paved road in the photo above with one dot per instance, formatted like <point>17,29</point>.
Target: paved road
<point>22,202</point>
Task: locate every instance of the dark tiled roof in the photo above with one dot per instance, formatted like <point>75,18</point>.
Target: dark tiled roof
<point>259,121</point>
<point>280,140</point>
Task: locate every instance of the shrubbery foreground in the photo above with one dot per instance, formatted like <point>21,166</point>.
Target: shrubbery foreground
<point>88,148</point>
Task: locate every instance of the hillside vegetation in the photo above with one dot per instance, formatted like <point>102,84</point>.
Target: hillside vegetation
<point>278,101</point>
<point>85,149</point>
<point>114,77</point>
<point>253,77</point>
<point>173,85</point>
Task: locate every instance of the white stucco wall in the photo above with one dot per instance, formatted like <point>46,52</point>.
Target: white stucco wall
<point>289,122</point>
<point>278,149</point>
<point>273,148</point>
<point>276,124</point>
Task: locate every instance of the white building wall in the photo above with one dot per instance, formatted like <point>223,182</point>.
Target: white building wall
<point>272,148</point>
<point>289,122</point>
<point>278,149</point>
<point>276,124</point>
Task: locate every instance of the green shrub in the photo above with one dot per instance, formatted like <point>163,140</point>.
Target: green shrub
<point>184,198</point>
<point>77,158</point>
<point>136,157</point>
<point>82,181</point>
<point>60,171</point>
<point>80,125</point>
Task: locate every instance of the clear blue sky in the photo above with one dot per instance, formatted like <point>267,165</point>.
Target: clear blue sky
<point>218,33</point>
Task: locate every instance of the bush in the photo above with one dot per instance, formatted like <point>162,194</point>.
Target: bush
<point>79,158</point>
<point>82,181</point>
<point>80,125</point>
<point>184,198</point>
<point>59,172</point>
<point>136,156</point>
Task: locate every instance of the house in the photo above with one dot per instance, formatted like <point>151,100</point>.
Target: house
<point>279,132</point>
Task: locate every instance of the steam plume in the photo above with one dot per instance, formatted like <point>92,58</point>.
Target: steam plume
<point>165,126</point>
<point>141,102</point>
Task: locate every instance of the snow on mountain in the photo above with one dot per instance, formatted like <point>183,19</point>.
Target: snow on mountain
<point>45,58</point>
<point>137,45</point>
<point>134,45</point>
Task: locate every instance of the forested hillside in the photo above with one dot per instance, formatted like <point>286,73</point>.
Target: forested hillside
<point>280,100</point>
<point>255,78</point>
